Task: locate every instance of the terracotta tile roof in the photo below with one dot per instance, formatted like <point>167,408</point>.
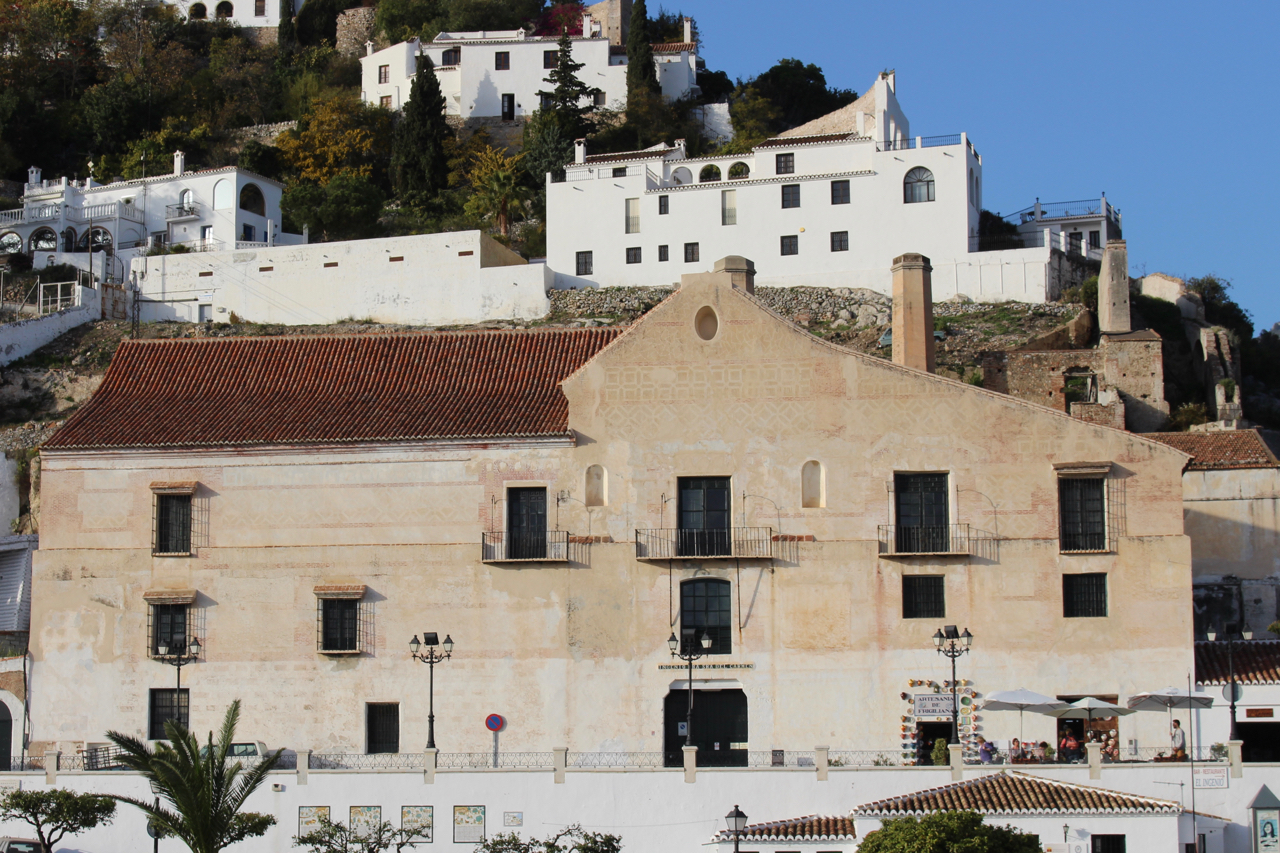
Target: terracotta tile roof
<point>330,389</point>
<point>1014,793</point>
<point>676,47</point>
<point>1256,662</point>
<point>628,155</point>
<point>809,828</point>
<point>1236,448</point>
<point>787,141</point>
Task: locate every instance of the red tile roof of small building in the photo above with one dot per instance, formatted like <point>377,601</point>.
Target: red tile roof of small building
<point>790,141</point>
<point>1014,793</point>
<point>675,47</point>
<point>809,828</point>
<point>333,389</point>
<point>1236,448</point>
<point>646,154</point>
<point>1255,661</point>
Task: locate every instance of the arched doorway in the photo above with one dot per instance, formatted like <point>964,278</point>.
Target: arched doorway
<point>719,726</point>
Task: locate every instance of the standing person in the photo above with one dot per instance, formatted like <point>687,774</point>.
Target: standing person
<point>1178,740</point>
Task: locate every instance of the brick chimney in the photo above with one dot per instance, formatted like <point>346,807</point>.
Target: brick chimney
<point>913,312</point>
<point>1113,289</point>
<point>179,163</point>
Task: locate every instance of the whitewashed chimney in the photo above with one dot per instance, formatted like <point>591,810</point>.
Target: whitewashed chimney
<point>586,26</point>
<point>33,175</point>
<point>579,150</point>
<point>688,30</point>
<point>179,163</point>
<point>368,48</point>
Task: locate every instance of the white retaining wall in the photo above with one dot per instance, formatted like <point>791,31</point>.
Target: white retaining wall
<point>656,811</point>
<point>427,279</point>
<point>26,336</point>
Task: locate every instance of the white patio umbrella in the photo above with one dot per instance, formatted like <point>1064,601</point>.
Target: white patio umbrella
<point>1089,709</point>
<point>1169,698</point>
<point>1021,700</point>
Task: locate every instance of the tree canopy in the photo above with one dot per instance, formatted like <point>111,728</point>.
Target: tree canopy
<point>419,158</point>
<point>57,813</point>
<point>642,75</point>
<point>571,100</point>
<point>947,832</point>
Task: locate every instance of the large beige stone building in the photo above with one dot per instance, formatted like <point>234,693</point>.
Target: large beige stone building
<point>560,503</point>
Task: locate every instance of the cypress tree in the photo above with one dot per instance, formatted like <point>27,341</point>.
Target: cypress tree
<point>569,92</point>
<point>642,75</point>
<point>419,162</point>
<point>286,35</point>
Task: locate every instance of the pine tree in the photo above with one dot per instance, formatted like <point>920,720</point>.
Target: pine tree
<point>419,161</point>
<point>642,75</point>
<point>568,96</point>
<point>286,35</point>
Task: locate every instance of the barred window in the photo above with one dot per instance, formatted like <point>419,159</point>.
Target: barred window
<point>584,265</point>
<point>168,628</point>
<point>924,597</point>
<point>1084,595</point>
<point>382,727</point>
<point>706,606</point>
<point>663,253</point>
<point>790,196</point>
<point>785,163</point>
<point>172,524</point>
<point>1081,511</point>
<point>839,192</point>
<point>791,245</point>
<point>690,253</point>
<point>167,705</point>
<point>839,241</point>
<point>633,255</point>
<point>339,624</point>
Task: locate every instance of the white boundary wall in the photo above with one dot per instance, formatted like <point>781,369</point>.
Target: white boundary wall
<point>24,337</point>
<point>427,279</point>
<point>657,811</point>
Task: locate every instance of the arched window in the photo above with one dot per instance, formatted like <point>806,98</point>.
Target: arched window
<point>223,10</point>
<point>918,185</point>
<point>95,240</point>
<point>44,240</point>
<point>10,243</point>
<point>251,200</point>
<point>682,176</point>
<point>813,484</point>
<point>69,240</point>
<point>197,12</point>
<point>706,607</point>
<point>738,171</point>
<point>710,172</point>
<point>597,486</point>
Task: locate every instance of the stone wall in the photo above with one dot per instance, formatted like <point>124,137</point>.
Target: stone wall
<point>1102,414</point>
<point>264,133</point>
<point>355,27</point>
<point>502,134</point>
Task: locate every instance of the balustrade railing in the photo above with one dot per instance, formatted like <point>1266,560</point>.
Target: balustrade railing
<point>361,761</point>
<point>923,142</point>
<point>631,760</point>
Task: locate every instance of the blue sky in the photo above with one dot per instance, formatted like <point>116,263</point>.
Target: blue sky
<point>1164,106</point>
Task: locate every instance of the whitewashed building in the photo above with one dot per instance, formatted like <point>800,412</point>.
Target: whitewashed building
<point>499,74</point>
<point>827,210</point>
<point>181,211</point>
<point>245,13</point>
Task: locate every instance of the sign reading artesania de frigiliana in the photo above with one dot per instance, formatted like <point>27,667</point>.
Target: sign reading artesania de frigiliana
<point>937,705</point>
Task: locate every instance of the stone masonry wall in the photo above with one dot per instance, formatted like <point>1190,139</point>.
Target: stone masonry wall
<point>355,27</point>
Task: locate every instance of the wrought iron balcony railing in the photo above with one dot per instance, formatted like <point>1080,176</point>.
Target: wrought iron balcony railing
<point>903,539</point>
<point>726,543</point>
<point>180,211</point>
<point>551,546</point>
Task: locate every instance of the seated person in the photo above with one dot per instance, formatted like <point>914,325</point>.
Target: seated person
<point>1040,750</point>
<point>1016,751</point>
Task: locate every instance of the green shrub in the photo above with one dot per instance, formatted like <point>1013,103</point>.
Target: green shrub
<point>940,756</point>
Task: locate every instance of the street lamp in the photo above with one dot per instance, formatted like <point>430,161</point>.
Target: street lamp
<point>1231,641</point>
<point>951,643</point>
<point>689,654</point>
<point>431,657</point>
<point>178,653</point>
<point>737,822</point>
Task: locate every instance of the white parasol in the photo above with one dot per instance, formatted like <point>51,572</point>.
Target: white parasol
<point>1021,700</point>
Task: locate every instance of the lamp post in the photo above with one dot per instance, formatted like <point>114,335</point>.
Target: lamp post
<point>152,829</point>
<point>178,653</point>
<point>431,657</point>
<point>737,822</point>
<point>948,641</point>
<point>1231,641</point>
<point>690,654</point>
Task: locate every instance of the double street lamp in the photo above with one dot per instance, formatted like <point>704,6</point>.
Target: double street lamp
<point>690,653</point>
<point>431,657</point>
<point>1231,640</point>
<point>948,641</point>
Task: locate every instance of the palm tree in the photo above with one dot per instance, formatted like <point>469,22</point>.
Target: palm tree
<point>204,791</point>
<point>497,187</point>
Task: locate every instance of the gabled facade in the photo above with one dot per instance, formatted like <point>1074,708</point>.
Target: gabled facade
<point>499,74</point>
<point>560,504</point>
<point>208,210</point>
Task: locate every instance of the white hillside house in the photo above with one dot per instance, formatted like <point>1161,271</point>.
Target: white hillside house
<point>245,13</point>
<point>829,204</point>
<point>499,74</point>
<point>202,211</point>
